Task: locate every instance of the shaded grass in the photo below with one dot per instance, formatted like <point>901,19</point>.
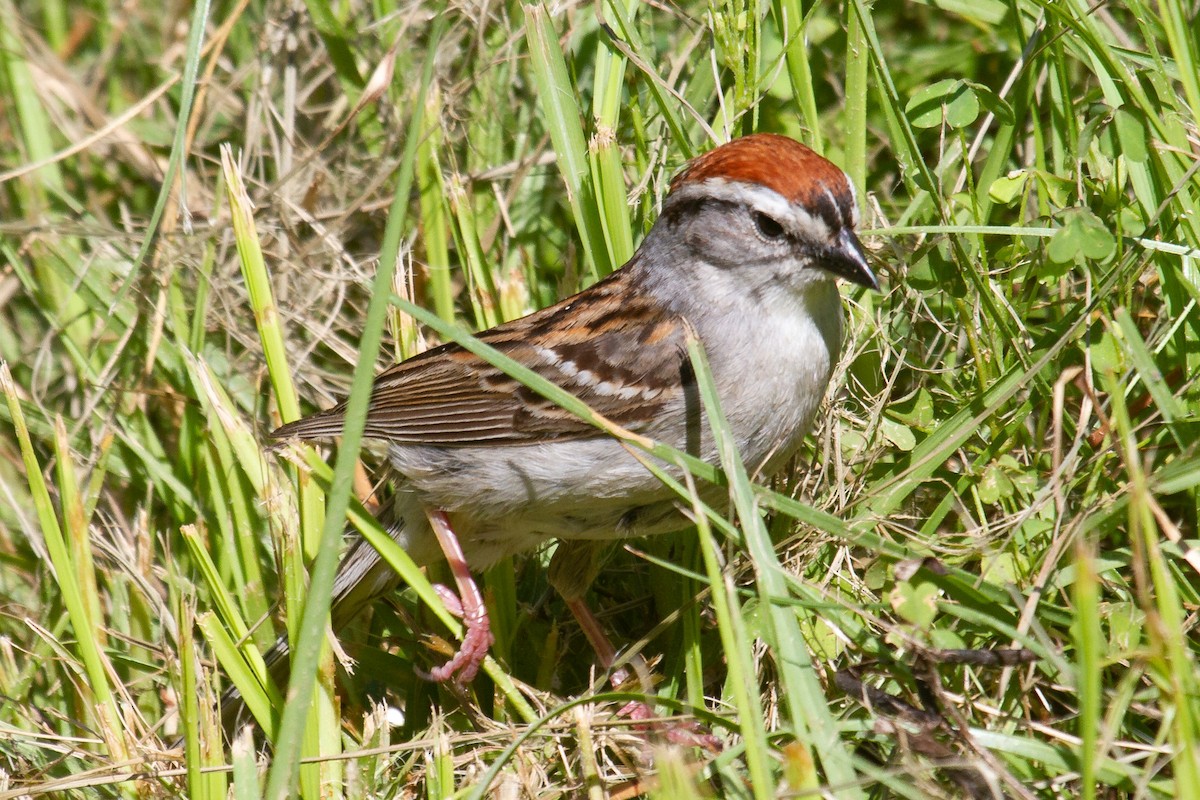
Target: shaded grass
<point>1008,458</point>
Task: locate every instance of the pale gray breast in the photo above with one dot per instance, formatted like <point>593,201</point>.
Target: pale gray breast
<point>784,361</point>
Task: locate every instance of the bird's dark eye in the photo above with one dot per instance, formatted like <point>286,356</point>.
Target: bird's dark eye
<point>767,226</point>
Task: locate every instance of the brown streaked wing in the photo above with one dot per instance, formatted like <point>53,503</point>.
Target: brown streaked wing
<point>618,355</point>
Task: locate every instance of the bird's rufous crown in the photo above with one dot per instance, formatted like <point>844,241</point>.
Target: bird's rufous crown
<point>777,162</point>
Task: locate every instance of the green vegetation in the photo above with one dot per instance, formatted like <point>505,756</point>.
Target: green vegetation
<point>1010,459</point>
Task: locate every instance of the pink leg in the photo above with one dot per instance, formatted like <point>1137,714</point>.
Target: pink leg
<point>686,734</point>
<point>605,652</point>
<point>477,636</point>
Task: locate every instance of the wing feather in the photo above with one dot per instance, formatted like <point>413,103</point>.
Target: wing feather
<point>608,346</point>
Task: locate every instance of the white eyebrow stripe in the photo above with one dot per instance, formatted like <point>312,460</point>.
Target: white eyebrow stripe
<point>760,198</point>
<point>833,201</point>
<point>854,213</point>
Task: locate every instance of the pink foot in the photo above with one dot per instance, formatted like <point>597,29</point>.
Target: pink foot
<point>467,605</point>
<point>449,599</point>
<point>685,733</point>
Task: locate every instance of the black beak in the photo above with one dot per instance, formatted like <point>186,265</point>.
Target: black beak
<point>846,259</point>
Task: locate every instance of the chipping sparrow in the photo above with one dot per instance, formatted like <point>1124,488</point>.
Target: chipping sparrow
<point>746,250</point>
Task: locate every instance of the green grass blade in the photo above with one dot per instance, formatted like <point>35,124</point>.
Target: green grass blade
<point>1088,667</point>
<point>561,110</point>
<point>87,638</point>
<point>284,770</point>
<point>808,708</point>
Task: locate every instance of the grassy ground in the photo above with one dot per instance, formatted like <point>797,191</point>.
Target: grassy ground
<point>1009,460</point>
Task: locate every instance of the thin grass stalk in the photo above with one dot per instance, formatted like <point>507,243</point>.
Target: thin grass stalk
<point>1142,360</point>
<point>284,770</point>
<point>801,692</point>
<point>692,625</point>
<point>556,95</point>
<point>1060,762</point>
<point>439,782</point>
<point>677,779</point>
<point>587,751</point>
<point>76,528</point>
<point>187,94</point>
<point>246,783</point>
<point>435,232</point>
<point>54,23</point>
<point>481,284</point>
<point>502,608</point>
<point>336,39</point>
<point>791,23</point>
<point>201,729</point>
<point>858,65</point>
<point>189,705</point>
<point>604,152</point>
<point>57,292</point>
<point>258,287</point>
<point>1161,603</point>
<point>667,101</point>
<point>95,663</point>
<point>1087,665</point>
<point>741,674</point>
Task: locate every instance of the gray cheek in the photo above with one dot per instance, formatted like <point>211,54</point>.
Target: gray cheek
<point>721,240</point>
